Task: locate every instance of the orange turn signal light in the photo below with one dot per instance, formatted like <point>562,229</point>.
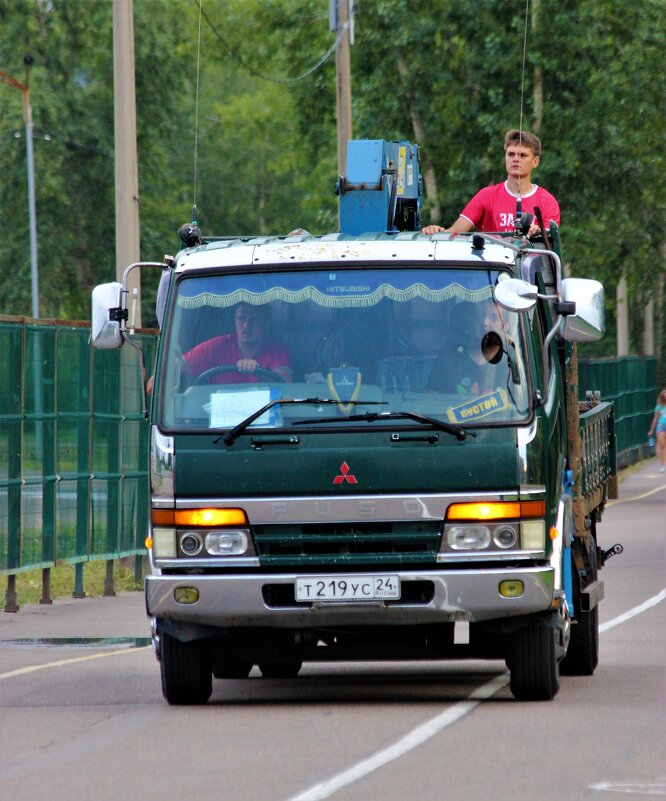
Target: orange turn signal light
<point>496,510</point>
<point>199,517</point>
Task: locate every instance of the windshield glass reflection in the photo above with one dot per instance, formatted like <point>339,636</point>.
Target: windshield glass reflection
<point>428,342</point>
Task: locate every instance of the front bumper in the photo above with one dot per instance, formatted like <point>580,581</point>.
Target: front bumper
<point>231,601</point>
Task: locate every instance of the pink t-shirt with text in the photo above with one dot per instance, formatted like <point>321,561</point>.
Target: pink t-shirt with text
<point>494,207</point>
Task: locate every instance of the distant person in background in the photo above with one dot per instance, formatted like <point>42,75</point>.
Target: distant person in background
<point>494,207</point>
<point>659,425</point>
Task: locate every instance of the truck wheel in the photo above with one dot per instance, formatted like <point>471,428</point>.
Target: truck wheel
<point>186,671</point>
<point>582,655</point>
<point>533,664</point>
<point>280,670</point>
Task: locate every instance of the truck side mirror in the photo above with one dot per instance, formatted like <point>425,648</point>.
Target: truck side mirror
<point>106,316</point>
<point>516,295</point>
<point>587,324</point>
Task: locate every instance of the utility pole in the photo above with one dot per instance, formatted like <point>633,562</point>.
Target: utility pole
<point>538,72</point>
<point>126,168</point>
<point>24,89</point>
<point>648,329</point>
<point>341,21</point>
<point>622,299</point>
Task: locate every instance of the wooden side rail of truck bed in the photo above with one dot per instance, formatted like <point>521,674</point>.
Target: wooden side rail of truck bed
<point>598,473</point>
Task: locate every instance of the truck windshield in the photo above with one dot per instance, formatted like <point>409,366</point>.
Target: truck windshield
<point>430,342</point>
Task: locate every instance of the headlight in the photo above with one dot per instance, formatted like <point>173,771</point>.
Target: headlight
<point>495,526</point>
<point>227,543</point>
<point>191,543</point>
<point>200,532</point>
<point>505,536</point>
<point>468,538</point>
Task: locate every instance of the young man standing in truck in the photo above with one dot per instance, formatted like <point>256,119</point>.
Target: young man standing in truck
<point>493,208</point>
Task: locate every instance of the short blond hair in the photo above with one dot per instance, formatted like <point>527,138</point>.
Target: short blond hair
<point>525,138</point>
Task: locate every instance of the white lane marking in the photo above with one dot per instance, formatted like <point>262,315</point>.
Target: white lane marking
<point>637,610</point>
<point>61,662</point>
<point>632,788</point>
<point>636,497</point>
<point>429,729</point>
<point>411,740</point>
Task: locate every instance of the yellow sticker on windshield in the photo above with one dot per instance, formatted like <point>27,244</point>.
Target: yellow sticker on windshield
<point>479,407</point>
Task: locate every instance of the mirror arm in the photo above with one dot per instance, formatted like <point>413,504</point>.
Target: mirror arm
<point>546,357</point>
<point>123,316</point>
<point>142,357</point>
<point>162,265</point>
<point>122,313</point>
<point>556,261</point>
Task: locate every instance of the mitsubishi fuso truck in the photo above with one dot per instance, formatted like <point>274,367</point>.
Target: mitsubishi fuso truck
<point>369,446</point>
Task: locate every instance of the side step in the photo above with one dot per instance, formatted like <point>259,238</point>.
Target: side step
<point>591,596</point>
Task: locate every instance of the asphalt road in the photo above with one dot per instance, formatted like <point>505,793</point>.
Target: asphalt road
<point>86,720</point>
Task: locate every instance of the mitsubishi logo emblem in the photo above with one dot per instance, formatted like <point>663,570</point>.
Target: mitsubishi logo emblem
<point>345,475</point>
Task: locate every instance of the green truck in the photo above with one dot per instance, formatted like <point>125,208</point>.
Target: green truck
<point>369,446</point>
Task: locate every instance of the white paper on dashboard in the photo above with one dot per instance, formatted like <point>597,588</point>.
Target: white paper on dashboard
<point>230,408</point>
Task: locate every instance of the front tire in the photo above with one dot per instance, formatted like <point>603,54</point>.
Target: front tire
<point>186,671</point>
<point>533,664</point>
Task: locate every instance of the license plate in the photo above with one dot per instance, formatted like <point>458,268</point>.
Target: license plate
<point>347,588</point>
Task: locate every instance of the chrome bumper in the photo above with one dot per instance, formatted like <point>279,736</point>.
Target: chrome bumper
<point>459,595</point>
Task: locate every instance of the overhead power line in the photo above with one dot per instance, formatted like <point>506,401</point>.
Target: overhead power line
<point>241,62</point>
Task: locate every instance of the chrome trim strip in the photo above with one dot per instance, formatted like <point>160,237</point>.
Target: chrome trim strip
<point>524,437</point>
<point>533,492</point>
<point>162,503</point>
<point>162,463</point>
<point>489,556</point>
<point>347,508</point>
<point>184,563</point>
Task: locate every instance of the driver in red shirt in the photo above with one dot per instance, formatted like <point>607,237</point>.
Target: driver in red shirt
<point>250,347</point>
<point>494,207</point>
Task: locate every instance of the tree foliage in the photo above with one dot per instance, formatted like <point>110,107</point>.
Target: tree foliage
<point>593,87</point>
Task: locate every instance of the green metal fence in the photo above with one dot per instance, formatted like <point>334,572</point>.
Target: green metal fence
<point>73,446</point>
<point>630,384</point>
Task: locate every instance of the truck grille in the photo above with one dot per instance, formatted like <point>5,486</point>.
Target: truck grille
<point>353,544</point>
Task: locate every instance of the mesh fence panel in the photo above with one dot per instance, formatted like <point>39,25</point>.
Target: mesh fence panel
<point>73,446</point>
<point>630,384</point>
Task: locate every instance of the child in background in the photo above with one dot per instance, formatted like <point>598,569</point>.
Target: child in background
<point>659,425</point>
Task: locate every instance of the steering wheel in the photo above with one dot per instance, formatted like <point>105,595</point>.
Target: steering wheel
<point>261,372</point>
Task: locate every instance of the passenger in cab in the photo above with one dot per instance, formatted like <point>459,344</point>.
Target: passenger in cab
<point>471,365</point>
<point>493,208</point>
<point>249,348</point>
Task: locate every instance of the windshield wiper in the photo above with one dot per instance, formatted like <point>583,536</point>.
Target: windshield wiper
<point>370,417</point>
<point>231,436</point>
